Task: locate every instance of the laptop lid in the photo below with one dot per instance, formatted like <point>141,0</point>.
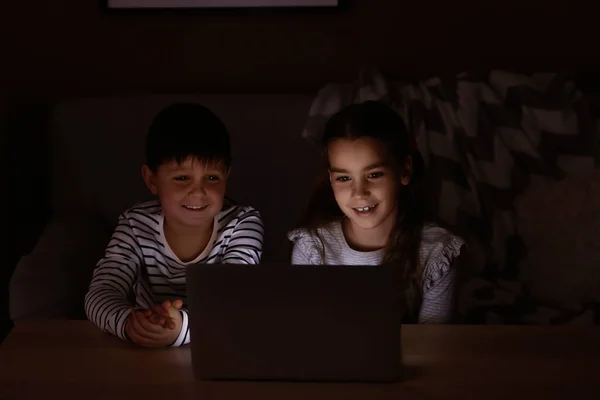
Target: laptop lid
<point>284,322</point>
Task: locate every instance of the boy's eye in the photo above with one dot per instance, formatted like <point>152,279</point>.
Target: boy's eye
<point>375,175</point>
<point>342,178</point>
<point>212,178</point>
<point>181,178</point>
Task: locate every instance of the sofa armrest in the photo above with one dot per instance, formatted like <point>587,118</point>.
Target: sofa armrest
<point>51,281</point>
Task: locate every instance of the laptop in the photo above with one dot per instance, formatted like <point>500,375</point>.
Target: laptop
<point>295,322</point>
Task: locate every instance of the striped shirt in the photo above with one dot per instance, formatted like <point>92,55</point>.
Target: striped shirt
<point>438,249</point>
<point>140,270</point>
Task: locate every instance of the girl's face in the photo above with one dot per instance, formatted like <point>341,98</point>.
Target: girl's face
<point>364,181</point>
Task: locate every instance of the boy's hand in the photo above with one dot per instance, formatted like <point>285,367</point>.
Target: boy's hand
<point>165,314</point>
<point>148,334</point>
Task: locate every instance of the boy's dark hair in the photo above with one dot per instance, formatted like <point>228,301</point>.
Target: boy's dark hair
<point>185,130</point>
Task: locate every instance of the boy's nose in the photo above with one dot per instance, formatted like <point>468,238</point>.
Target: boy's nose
<point>198,188</point>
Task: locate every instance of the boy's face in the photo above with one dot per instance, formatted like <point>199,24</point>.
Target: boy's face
<point>191,192</point>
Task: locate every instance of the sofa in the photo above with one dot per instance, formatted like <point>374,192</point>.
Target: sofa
<point>91,169</point>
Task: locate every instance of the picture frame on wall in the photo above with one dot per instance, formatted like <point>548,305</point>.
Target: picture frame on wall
<point>219,4</point>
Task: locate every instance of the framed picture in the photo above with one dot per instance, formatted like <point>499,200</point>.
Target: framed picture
<point>219,4</point>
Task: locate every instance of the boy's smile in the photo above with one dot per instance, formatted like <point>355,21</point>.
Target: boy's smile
<point>195,208</point>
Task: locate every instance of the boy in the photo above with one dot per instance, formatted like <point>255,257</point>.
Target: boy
<point>138,288</point>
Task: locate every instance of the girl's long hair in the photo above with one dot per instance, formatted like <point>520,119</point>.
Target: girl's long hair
<point>378,121</point>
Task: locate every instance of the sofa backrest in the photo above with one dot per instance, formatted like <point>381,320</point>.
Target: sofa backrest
<point>98,151</point>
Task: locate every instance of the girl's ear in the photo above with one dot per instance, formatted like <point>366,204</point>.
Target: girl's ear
<point>150,179</point>
<point>406,171</point>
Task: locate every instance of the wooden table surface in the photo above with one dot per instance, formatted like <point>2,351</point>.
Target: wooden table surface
<point>75,360</point>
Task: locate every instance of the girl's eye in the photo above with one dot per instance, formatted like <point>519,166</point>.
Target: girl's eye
<point>342,178</point>
<point>375,175</point>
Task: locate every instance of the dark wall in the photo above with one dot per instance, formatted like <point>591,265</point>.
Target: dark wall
<point>65,45</point>
<point>4,226</point>
<point>24,181</point>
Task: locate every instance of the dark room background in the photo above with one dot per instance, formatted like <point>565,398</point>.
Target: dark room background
<point>71,47</point>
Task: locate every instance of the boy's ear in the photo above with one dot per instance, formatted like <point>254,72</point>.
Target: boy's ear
<point>406,172</point>
<point>149,179</point>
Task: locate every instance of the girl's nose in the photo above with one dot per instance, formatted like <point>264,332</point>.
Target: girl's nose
<point>360,190</point>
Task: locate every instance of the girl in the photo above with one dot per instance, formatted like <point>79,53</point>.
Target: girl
<point>366,211</point>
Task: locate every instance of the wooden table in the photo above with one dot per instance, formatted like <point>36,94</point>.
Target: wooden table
<point>74,360</point>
